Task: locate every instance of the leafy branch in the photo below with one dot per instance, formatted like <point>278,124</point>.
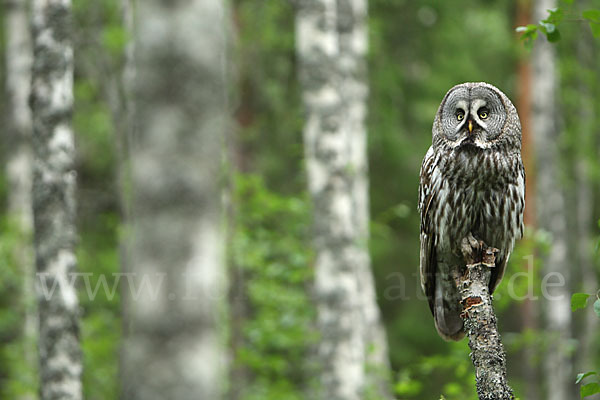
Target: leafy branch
<point>579,301</point>
<point>556,17</point>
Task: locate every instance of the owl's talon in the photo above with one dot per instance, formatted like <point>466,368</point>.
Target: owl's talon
<point>471,249</point>
<point>489,257</point>
<point>477,252</point>
<point>475,244</point>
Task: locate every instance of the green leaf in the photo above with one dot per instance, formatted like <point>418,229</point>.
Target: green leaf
<point>597,307</point>
<point>555,16</point>
<point>553,36</point>
<point>595,29</point>
<point>589,389</point>
<point>579,300</point>
<point>532,28</point>
<point>527,29</point>
<point>550,30</point>
<point>582,375</point>
<point>115,39</point>
<point>591,15</point>
<point>530,33</point>
<point>548,27</point>
<point>568,1</point>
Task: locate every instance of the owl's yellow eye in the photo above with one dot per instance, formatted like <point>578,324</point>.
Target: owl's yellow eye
<point>460,115</point>
<point>483,113</point>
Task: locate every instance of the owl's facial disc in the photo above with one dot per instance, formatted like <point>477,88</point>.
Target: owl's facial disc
<point>461,112</point>
<point>472,115</point>
<point>475,130</point>
<point>469,123</point>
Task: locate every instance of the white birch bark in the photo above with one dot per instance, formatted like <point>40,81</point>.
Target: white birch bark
<point>551,212</point>
<point>331,45</point>
<point>353,41</point>
<point>18,58</point>
<point>54,200</point>
<point>174,344</point>
<point>18,61</point>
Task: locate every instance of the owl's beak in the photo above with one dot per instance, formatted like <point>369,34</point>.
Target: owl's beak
<point>470,126</point>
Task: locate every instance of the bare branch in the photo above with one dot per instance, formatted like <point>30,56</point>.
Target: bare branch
<point>487,352</point>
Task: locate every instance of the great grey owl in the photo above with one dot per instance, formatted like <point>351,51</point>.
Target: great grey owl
<point>472,182</point>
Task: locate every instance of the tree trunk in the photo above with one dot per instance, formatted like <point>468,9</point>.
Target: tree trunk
<point>18,59</point>
<point>332,44</point>
<point>551,213</point>
<point>54,200</point>
<point>174,347</point>
<point>529,309</point>
<point>18,83</point>
<point>122,114</point>
<point>118,92</point>
<point>586,156</point>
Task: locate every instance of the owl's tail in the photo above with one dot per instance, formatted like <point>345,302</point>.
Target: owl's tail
<point>446,311</point>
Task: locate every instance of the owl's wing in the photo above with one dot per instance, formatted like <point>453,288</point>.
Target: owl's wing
<point>516,196</point>
<point>427,198</point>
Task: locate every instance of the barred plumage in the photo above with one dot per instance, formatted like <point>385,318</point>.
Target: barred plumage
<point>472,182</point>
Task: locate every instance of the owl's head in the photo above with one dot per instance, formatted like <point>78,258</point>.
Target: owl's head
<point>477,115</point>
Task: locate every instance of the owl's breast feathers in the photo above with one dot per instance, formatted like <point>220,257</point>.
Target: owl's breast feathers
<point>470,190</point>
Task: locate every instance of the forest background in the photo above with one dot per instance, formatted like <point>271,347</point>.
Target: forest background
<point>417,51</point>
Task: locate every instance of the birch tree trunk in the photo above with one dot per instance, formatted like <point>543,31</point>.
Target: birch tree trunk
<point>586,155</point>
<point>332,44</point>
<point>174,347</point>
<point>117,89</point>
<point>551,213</point>
<point>18,83</point>
<point>18,60</point>
<point>54,200</point>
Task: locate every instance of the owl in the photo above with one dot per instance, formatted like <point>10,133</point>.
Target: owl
<point>472,182</point>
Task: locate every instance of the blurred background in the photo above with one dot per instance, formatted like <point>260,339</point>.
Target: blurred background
<point>417,50</point>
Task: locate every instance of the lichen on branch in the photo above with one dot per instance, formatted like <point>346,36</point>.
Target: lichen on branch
<point>487,352</point>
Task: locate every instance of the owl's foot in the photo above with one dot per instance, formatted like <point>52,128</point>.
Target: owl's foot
<point>477,252</point>
<point>471,249</point>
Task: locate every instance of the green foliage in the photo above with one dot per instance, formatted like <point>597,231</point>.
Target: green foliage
<point>589,389</point>
<point>556,16</point>
<point>271,251</point>
<point>93,126</point>
<point>269,110</point>
<point>581,376</point>
<point>114,39</point>
<point>525,263</point>
<point>17,378</point>
<point>455,366</point>
<point>101,322</point>
<point>548,27</point>
<point>99,45</point>
<point>593,17</point>
<point>529,34</point>
<point>579,300</point>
